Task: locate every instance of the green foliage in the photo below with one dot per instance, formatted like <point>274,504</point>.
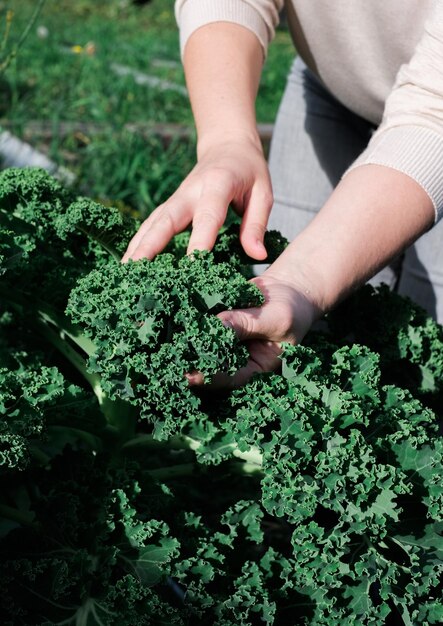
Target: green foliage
<point>47,232</point>
<point>96,123</point>
<point>137,172</point>
<point>410,344</point>
<point>152,322</point>
<point>24,395</point>
<point>54,82</point>
<point>312,496</point>
<point>346,462</point>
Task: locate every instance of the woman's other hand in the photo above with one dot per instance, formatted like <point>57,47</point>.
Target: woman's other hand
<point>285,317</point>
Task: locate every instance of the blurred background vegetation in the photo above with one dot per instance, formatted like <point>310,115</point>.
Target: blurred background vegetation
<point>95,80</point>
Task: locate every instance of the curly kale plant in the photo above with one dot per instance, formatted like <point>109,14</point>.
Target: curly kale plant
<point>313,496</point>
<point>355,467</point>
<point>152,322</point>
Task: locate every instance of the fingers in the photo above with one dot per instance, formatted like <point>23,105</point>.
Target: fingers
<point>210,213</point>
<point>255,220</point>
<point>263,357</point>
<point>205,226</point>
<point>273,321</point>
<point>195,379</point>
<point>203,199</point>
<point>245,323</point>
<point>155,232</point>
<point>206,211</point>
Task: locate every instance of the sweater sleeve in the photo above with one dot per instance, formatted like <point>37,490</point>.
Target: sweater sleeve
<point>259,16</point>
<point>410,136</point>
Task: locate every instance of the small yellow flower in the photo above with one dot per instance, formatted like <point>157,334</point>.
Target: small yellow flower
<point>77,49</point>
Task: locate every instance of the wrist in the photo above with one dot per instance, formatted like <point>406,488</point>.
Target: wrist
<point>215,139</point>
<point>304,281</point>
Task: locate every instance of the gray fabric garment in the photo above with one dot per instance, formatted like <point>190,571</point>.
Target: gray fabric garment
<point>315,140</point>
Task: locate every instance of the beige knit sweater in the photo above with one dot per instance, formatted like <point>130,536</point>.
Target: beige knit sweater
<point>383,59</point>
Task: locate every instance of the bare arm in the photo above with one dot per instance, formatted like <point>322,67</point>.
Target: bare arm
<point>373,214</point>
<point>222,63</point>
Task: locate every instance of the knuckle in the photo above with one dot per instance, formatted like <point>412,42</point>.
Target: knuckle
<point>263,193</point>
<point>154,214</point>
<point>267,199</point>
<point>245,322</point>
<point>186,187</point>
<point>164,219</point>
<point>207,218</point>
<point>257,228</point>
<point>219,178</point>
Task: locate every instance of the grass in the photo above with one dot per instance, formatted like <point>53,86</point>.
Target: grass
<point>63,72</point>
<point>60,77</point>
<point>132,172</point>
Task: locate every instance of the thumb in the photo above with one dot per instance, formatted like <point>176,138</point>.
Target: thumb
<point>244,322</point>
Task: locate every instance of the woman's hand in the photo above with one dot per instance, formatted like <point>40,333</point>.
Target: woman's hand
<point>286,316</point>
<point>354,235</point>
<point>230,170</point>
<point>222,63</point>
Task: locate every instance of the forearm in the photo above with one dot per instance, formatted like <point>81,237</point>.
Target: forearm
<point>372,216</point>
<point>223,64</point>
